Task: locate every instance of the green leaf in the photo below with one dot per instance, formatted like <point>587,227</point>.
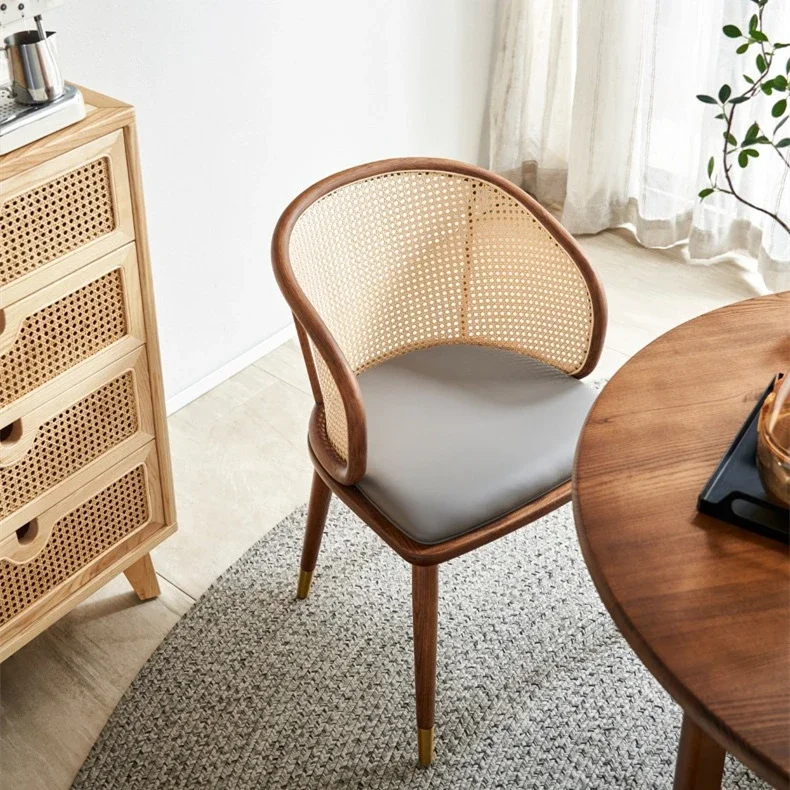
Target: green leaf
<point>761,140</point>
<point>706,99</point>
<point>752,134</point>
<point>783,143</point>
<point>780,46</point>
<point>751,152</point>
<point>731,31</point>
<point>705,192</point>
<point>742,48</point>
<point>710,167</point>
<point>743,160</point>
<point>748,79</point>
<point>766,89</point>
<point>781,124</point>
<point>739,100</point>
<point>779,108</point>
<point>730,139</point>
<point>758,36</point>
<point>753,22</point>
<point>724,93</point>
<point>760,61</point>
<point>787,67</point>
<point>779,82</point>
<point>720,117</point>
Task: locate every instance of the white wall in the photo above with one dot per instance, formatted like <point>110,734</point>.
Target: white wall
<point>241,106</point>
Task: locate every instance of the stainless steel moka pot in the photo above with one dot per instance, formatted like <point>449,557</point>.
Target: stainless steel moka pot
<point>32,66</point>
<point>34,100</point>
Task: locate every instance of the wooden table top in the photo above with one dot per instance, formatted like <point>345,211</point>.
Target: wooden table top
<point>703,604</point>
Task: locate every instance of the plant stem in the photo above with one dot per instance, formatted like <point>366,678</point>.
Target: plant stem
<point>779,154</point>
<point>749,92</point>
<point>732,191</point>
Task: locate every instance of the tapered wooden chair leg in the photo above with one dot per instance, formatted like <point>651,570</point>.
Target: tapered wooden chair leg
<point>425,614</point>
<point>314,531</point>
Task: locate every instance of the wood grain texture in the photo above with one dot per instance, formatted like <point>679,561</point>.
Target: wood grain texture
<point>149,313</point>
<point>103,115</point>
<point>142,576</point>
<point>425,622</point>
<point>320,496</point>
<point>704,604</point>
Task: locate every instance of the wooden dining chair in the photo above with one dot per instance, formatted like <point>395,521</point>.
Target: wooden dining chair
<point>445,320</point>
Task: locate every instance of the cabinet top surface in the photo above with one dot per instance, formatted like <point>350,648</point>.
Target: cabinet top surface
<point>104,114</point>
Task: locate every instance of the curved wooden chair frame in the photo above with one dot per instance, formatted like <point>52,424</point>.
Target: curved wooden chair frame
<point>337,472</point>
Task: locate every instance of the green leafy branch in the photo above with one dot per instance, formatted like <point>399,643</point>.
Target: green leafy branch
<point>765,82</point>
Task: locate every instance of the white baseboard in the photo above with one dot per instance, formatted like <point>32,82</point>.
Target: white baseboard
<point>229,369</point>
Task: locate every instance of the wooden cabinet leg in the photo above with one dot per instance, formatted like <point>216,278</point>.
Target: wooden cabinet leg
<point>314,531</point>
<point>425,614</point>
<point>700,762</point>
<point>142,577</point>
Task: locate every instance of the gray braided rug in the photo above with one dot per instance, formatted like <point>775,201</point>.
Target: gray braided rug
<point>253,689</point>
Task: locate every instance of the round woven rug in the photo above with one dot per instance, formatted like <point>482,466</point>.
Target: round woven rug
<point>254,689</point>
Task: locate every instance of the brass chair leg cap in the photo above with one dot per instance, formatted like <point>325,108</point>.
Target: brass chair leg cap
<point>305,580</point>
<point>425,742</point>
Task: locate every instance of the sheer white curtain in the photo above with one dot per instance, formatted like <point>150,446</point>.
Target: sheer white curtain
<point>594,112</point>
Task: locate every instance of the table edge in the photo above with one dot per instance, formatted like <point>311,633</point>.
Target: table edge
<point>766,768</point>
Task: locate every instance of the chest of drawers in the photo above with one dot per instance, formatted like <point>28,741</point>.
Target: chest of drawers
<point>85,480</point>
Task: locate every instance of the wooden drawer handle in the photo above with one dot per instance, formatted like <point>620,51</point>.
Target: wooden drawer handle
<point>24,544</point>
<point>8,333</point>
<point>15,441</point>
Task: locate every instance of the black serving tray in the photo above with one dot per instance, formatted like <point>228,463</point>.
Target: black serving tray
<point>735,492</point>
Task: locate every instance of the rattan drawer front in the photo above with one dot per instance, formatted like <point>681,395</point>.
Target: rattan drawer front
<point>52,550</point>
<point>63,214</point>
<point>95,311</point>
<point>59,446</point>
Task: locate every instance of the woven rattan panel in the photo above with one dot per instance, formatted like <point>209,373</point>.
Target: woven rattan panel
<point>76,539</point>
<point>525,293</point>
<point>54,219</point>
<point>334,413</point>
<point>414,259</point>
<point>70,441</point>
<point>62,335</point>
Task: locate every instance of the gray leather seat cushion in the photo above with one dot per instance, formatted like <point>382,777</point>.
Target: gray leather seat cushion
<point>460,435</point>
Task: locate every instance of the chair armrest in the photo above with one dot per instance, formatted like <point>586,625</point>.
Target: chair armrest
<point>337,430</point>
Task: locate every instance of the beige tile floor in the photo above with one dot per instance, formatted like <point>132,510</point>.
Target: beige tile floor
<point>240,466</point>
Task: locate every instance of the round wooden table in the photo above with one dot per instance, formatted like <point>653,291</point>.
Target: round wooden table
<point>702,603</point>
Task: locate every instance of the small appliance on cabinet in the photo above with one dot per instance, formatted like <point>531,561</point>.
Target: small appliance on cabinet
<point>34,99</point>
<point>85,480</point>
